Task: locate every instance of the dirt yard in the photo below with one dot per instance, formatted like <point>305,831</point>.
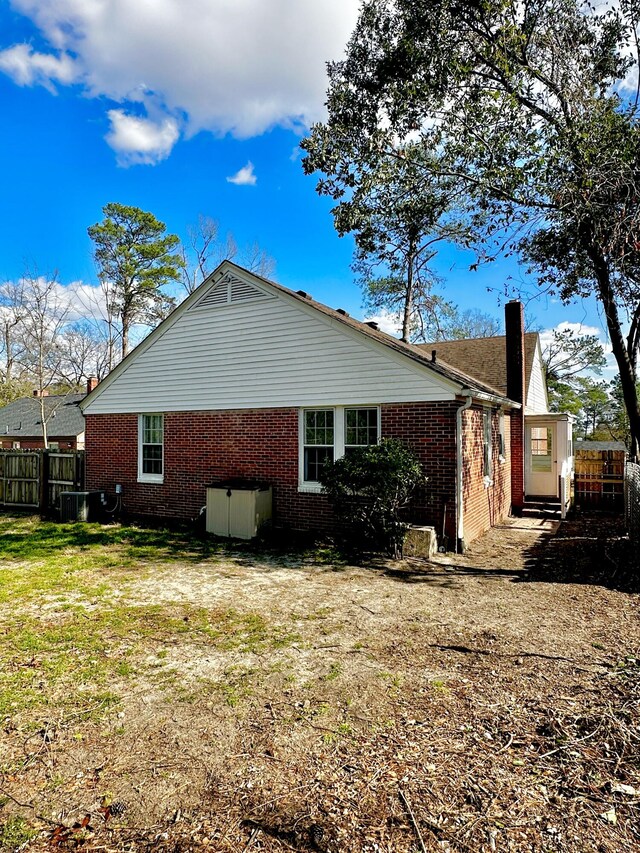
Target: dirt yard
<point>158,695</point>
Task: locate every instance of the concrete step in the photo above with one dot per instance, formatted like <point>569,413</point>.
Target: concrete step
<point>541,509</point>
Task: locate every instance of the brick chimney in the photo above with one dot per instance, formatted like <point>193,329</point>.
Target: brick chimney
<point>37,393</point>
<point>92,383</point>
<point>514,328</point>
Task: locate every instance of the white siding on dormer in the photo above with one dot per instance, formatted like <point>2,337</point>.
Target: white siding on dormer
<point>537,401</point>
<point>262,353</point>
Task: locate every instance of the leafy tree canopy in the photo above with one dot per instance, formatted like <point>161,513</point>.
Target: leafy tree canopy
<point>136,257</point>
<point>569,353</point>
<point>565,357</point>
<point>527,109</point>
<point>369,487</point>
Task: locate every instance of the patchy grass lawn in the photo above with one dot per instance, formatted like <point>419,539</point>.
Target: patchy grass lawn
<point>164,691</point>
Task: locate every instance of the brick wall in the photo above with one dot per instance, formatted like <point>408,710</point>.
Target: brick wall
<point>26,443</point>
<point>203,447</point>
<point>484,506</point>
<point>517,459</point>
<point>430,429</point>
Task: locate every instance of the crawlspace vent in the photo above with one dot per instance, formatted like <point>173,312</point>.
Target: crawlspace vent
<point>229,290</point>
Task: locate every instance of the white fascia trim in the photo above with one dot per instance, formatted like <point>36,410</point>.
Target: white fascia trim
<point>491,398</point>
<point>153,336</point>
<point>449,386</point>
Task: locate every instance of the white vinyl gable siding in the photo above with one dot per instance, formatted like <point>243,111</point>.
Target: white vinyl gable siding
<point>537,401</point>
<point>267,351</point>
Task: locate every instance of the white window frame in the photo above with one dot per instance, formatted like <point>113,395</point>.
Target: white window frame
<point>487,446</point>
<point>142,477</point>
<point>311,486</point>
<point>502,449</point>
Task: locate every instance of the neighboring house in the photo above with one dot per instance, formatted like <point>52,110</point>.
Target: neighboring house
<point>247,379</point>
<point>21,422</point>
<point>601,446</point>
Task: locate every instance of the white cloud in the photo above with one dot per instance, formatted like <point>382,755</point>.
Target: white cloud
<point>76,300</point>
<point>579,329</point>
<point>26,67</point>
<point>387,322</point>
<point>244,177</point>
<point>227,67</point>
<point>84,301</point>
<point>141,140</point>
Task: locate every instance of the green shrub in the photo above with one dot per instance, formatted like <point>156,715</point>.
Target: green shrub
<point>368,489</point>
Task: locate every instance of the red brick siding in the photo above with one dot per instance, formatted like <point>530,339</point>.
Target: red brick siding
<point>26,443</point>
<point>517,459</point>
<point>430,429</point>
<point>484,506</point>
<point>202,447</point>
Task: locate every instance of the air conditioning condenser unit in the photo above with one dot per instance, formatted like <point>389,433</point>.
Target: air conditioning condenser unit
<point>80,506</point>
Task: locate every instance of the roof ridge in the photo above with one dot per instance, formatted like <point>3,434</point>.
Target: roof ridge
<point>410,350</point>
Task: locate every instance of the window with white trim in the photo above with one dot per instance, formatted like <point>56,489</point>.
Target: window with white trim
<point>327,434</point>
<point>151,448</point>
<point>360,428</point>
<point>502,447</point>
<point>319,439</point>
<point>486,443</point>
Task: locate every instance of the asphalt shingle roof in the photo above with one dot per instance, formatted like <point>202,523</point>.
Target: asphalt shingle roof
<point>600,445</point>
<point>22,416</point>
<point>458,373</point>
<point>486,358</point>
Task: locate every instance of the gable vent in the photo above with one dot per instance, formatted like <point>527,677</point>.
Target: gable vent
<point>241,290</point>
<point>219,295</point>
<point>229,290</point>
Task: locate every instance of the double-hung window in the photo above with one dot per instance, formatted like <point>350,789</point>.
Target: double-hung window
<point>360,428</point>
<point>487,462</point>
<point>319,441</point>
<point>327,434</point>
<point>151,448</point>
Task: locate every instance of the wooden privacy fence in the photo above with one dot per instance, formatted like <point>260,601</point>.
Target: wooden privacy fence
<point>34,479</point>
<point>599,478</point>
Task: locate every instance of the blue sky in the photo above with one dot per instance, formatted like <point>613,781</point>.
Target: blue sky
<point>157,105</point>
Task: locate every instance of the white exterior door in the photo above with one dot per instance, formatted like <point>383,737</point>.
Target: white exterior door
<point>541,459</point>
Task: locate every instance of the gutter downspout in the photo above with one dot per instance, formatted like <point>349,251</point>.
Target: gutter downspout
<point>459,470</point>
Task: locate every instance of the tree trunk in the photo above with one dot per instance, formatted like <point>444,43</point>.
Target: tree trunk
<point>625,365</point>
<point>7,350</point>
<point>110,346</point>
<point>125,334</point>
<point>43,420</point>
<point>408,299</point>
